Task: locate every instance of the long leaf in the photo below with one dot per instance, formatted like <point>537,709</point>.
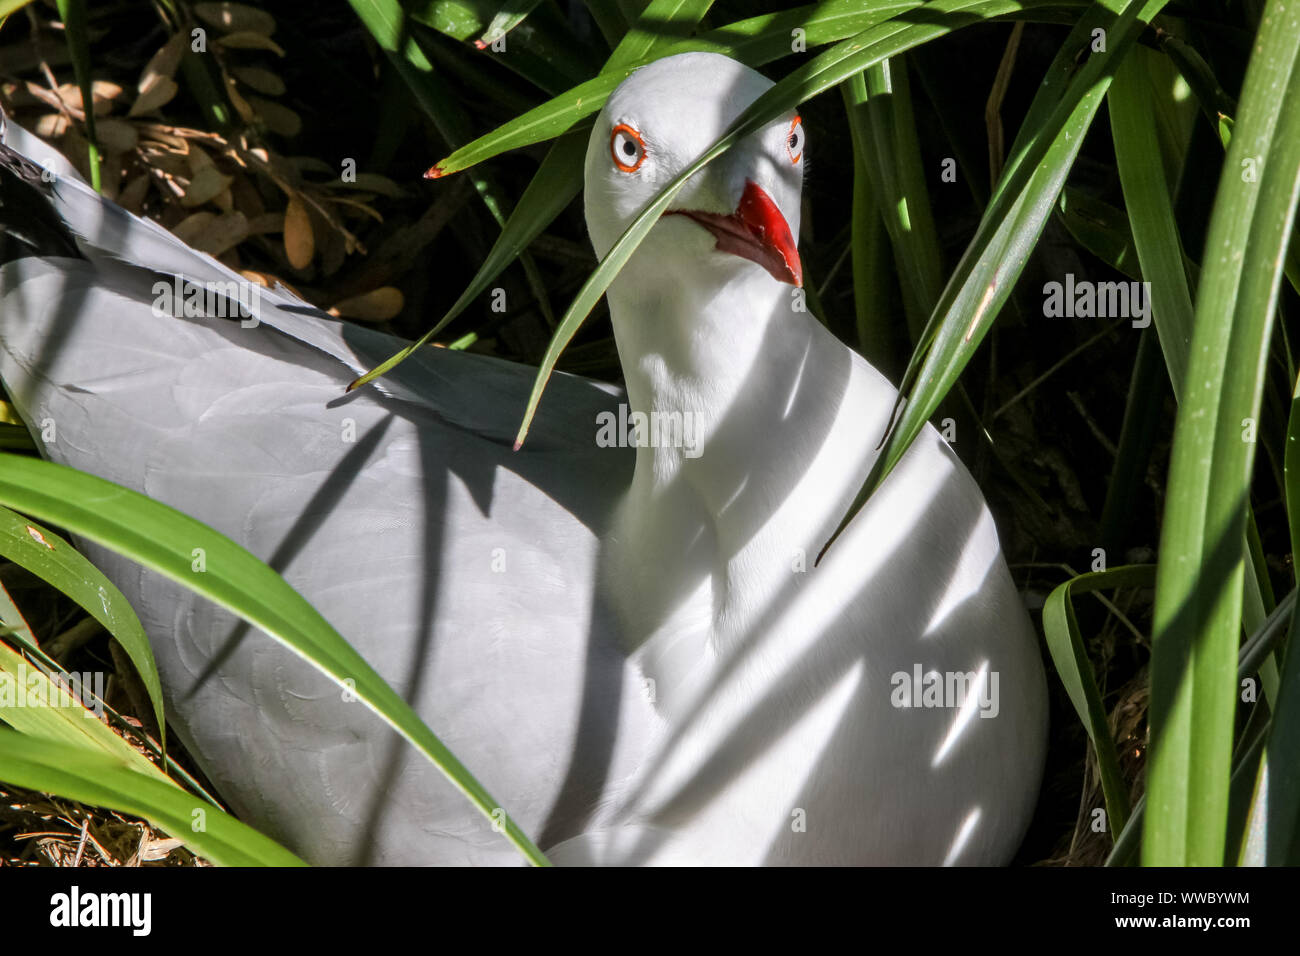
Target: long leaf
<point>1070,656</point>
<point>1200,578</point>
<point>1273,824</point>
<point>872,275</point>
<point>662,22</point>
<point>1040,160</point>
<point>512,14</point>
<point>58,564</point>
<point>1151,214</point>
<point>42,707</point>
<point>755,41</point>
<point>162,539</point>
<point>53,766</point>
<point>77,31</point>
<point>884,132</point>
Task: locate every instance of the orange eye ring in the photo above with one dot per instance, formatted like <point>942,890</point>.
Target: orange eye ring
<point>626,148</point>
<point>794,141</point>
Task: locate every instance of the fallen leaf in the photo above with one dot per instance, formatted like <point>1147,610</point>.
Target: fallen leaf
<point>116,135</point>
<point>157,92</point>
<point>236,17</point>
<point>299,241</point>
<point>206,184</point>
<point>263,81</point>
<point>191,227</point>
<point>378,305</point>
<point>222,234</point>
<point>165,61</point>
<point>250,41</point>
<point>278,119</point>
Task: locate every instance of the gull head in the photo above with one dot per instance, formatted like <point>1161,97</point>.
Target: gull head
<point>736,218</point>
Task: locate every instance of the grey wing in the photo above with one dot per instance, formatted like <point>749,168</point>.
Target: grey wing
<point>462,571</point>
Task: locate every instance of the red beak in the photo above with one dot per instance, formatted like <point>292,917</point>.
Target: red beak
<point>755,231</point>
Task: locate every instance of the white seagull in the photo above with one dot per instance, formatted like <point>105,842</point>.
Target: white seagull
<point>640,659</point>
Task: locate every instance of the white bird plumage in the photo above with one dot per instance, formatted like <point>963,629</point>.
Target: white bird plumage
<point>642,663</point>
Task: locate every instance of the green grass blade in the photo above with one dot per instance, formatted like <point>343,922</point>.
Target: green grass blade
<point>163,539</point>
<point>41,707</point>
<point>1100,228</point>
<point>1200,578</point>
<point>540,50</point>
<point>1253,652</point>
<point>1017,212</point>
<point>1151,213</point>
<point>755,42</point>
<point>609,20</point>
<point>512,13</point>
<point>56,562</point>
<point>872,272</point>
<point>52,766</point>
<point>1070,656</point>
<point>884,131</point>
<point>1273,823</point>
<point>75,27</point>
<point>662,22</point>
<point>11,6</point>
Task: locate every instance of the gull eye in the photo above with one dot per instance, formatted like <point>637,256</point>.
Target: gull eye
<point>627,148</point>
<point>794,141</point>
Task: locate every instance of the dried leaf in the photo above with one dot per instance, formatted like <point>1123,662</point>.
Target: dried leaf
<point>161,134</point>
<point>299,241</point>
<point>247,199</point>
<point>222,234</point>
<point>263,81</point>
<point>164,62</point>
<point>154,93</point>
<point>158,849</point>
<point>74,146</point>
<point>249,41</point>
<point>204,187</point>
<point>199,161</point>
<point>311,164</point>
<point>116,136</point>
<point>132,196</point>
<point>51,125</point>
<point>237,100</point>
<point>357,207</point>
<point>110,172</point>
<point>191,227</point>
<point>375,183</point>
<point>332,250</point>
<point>102,92</point>
<point>278,119</point>
<point>167,162</point>
<point>378,305</point>
<point>236,17</point>
<point>267,222</point>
